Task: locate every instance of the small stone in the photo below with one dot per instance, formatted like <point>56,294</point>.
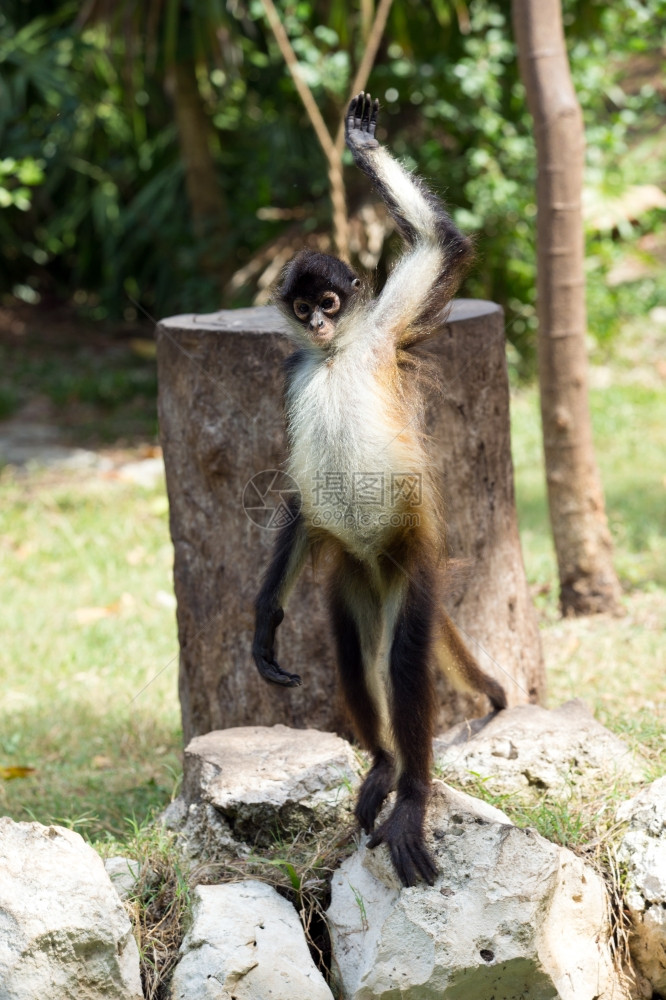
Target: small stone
<point>63,931</point>
<point>245,942</point>
<point>259,779</point>
<point>643,851</point>
<point>533,749</point>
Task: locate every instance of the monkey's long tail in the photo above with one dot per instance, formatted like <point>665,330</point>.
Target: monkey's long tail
<point>461,669</point>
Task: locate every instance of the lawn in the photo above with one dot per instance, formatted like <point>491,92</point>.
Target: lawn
<point>89,660</point>
<point>89,657</point>
<point>618,665</point>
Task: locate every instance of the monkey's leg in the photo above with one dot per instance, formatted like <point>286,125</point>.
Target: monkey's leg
<point>412,717</point>
<point>461,668</point>
<point>356,622</point>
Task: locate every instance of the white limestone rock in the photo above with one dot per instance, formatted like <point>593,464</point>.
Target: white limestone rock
<point>260,778</point>
<point>647,810</point>
<point>643,850</point>
<point>245,942</point>
<point>64,933</point>
<point>529,748</point>
<point>510,916</point>
<point>202,831</point>
<point>124,873</point>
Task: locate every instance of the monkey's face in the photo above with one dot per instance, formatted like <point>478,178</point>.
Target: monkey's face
<point>315,291</point>
<point>319,315</point>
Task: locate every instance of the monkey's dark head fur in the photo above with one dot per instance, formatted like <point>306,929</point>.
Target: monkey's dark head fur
<point>310,274</point>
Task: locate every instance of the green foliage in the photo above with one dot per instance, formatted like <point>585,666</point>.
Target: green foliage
<point>16,179</point>
<point>474,132</point>
<point>625,275</point>
<point>288,868</point>
<point>467,125</point>
<point>83,377</point>
<point>105,183</point>
<point>360,902</point>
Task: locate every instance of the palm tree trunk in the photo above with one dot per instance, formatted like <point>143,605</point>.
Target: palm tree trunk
<point>207,205</point>
<point>588,582</point>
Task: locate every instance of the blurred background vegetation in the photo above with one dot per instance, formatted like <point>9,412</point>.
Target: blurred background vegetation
<point>96,209</point>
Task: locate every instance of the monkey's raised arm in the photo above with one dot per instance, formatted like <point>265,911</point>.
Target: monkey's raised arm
<point>291,549</point>
<point>437,252</point>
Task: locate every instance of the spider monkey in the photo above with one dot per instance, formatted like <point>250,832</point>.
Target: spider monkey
<point>354,420</point>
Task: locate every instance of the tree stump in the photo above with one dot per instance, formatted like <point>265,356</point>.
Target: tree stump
<point>221,424</point>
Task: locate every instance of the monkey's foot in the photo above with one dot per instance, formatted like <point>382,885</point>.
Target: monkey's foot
<point>378,783</point>
<point>402,833</point>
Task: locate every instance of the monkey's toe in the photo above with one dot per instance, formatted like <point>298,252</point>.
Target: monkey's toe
<point>377,785</point>
<point>367,809</point>
<point>411,858</point>
<point>402,833</point>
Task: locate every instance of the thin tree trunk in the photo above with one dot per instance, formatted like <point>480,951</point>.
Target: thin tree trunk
<point>207,204</point>
<point>588,582</point>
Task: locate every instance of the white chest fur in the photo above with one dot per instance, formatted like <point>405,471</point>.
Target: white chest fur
<point>349,447</point>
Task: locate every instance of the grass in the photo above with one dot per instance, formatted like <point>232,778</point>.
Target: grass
<point>88,662</point>
<point>630,436</point>
<point>159,903</point>
<point>616,665</point>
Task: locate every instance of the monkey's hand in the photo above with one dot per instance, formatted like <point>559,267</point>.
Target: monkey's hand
<point>402,833</point>
<point>360,124</point>
<point>264,653</point>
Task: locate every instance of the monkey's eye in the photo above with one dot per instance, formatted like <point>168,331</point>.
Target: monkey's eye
<point>301,308</point>
<point>330,303</point>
